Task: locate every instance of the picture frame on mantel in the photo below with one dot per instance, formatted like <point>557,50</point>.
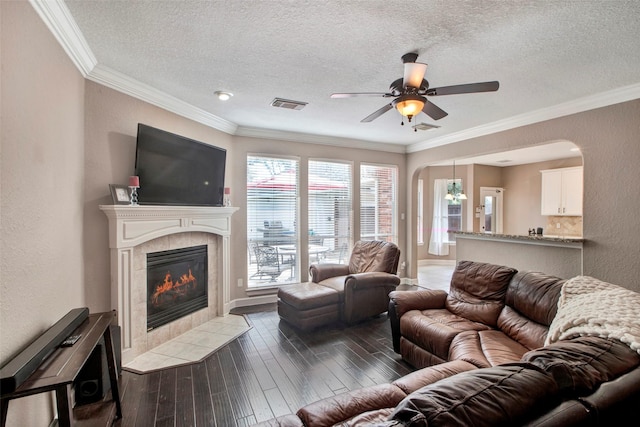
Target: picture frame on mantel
<point>120,194</point>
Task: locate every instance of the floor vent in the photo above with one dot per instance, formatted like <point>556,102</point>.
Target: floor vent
<point>288,104</point>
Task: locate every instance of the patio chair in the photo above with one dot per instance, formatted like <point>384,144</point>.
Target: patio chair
<point>267,260</point>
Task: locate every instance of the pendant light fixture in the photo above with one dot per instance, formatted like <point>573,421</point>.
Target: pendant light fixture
<point>453,194</point>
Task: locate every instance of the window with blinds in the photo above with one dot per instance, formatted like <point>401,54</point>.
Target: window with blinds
<point>378,211</point>
<point>272,209</point>
<point>330,213</point>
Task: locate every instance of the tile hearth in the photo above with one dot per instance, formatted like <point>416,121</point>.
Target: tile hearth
<point>192,346</point>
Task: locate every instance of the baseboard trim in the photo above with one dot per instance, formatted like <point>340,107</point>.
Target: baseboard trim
<point>251,301</point>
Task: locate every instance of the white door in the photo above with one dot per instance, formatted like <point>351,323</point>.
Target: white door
<point>491,204</point>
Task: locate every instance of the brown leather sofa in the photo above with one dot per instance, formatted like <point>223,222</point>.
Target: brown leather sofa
<point>491,315</point>
<point>346,293</point>
<point>486,363</point>
<point>586,381</point>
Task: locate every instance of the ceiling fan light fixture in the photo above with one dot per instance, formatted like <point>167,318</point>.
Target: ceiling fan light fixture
<point>409,105</point>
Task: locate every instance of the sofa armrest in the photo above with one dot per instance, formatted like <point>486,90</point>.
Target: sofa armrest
<point>372,279</point>
<point>402,301</point>
<point>417,300</point>
<point>320,272</point>
<point>336,409</point>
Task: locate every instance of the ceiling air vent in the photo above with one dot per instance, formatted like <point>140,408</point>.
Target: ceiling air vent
<point>288,104</point>
<point>425,126</point>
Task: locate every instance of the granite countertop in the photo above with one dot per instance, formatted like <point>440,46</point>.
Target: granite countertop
<point>543,238</point>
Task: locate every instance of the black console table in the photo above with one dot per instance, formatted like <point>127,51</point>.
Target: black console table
<point>61,368</point>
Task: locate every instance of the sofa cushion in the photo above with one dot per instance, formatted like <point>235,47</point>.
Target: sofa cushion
<point>519,328</point>
<point>534,295</point>
<point>374,255</point>
<point>335,283</point>
<point>425,376</point>
<point>368,419</point>
<point>485,348</point>
<point>504,395</point>
<point>305,296</point>
<point>477,291</point>
<point>581,364</point>
<point>433,330</point>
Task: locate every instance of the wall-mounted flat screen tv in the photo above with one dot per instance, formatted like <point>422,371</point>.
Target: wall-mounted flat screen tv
<point>178,171</point>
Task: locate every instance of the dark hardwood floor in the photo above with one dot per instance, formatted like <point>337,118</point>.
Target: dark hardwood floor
<point>271,370</point>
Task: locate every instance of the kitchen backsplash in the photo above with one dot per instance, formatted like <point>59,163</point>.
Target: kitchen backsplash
<point>569,226</point>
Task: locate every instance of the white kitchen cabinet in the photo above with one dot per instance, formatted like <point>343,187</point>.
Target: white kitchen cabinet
<point>562,191</point>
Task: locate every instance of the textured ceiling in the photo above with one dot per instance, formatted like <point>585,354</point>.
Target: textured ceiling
<point>543,53</point>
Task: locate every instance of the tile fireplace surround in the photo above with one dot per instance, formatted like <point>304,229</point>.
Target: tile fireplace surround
<point>135,231</point>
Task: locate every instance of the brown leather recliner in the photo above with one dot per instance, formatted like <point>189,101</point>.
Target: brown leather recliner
<point>364,284</point>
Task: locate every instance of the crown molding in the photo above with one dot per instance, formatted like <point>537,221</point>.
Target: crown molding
<point>591,102</point>
<point>132,87</point>
<point>58,19</point>
<point>318,139</point>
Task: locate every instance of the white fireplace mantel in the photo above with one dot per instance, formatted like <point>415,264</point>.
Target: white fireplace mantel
<point>131,226</point>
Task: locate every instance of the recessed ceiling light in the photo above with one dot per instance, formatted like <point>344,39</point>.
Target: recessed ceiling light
<point>223,96</point>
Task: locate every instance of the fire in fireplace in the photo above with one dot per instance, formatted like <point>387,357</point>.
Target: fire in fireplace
<point>176,284</point>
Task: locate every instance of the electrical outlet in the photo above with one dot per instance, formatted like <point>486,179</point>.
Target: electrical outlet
<point>557,225</point>
<point>240,285</point>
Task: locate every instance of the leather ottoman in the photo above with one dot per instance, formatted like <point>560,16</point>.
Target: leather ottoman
<point>308,305</point>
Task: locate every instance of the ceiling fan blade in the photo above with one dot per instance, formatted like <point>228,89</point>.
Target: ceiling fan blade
<point>413,74</point>
<point>433,111</point>
<point>466,88</point>
<point>353,95</point>
<point>371,117</point>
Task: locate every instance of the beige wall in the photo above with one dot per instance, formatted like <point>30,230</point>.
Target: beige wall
<point>111,127</point>
<point>523,188</point>
<point>608,138</point>
<point>42,198</point>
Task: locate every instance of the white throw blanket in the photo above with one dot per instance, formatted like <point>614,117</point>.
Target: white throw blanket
<point>591,307</point>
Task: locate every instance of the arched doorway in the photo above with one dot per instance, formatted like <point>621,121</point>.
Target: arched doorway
<point>516,172</point>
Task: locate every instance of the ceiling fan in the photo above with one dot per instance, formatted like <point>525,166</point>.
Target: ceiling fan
<point>411,90</point>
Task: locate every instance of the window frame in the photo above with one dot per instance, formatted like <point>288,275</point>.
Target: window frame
<point>377,234</point>
<point>289,235</point>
